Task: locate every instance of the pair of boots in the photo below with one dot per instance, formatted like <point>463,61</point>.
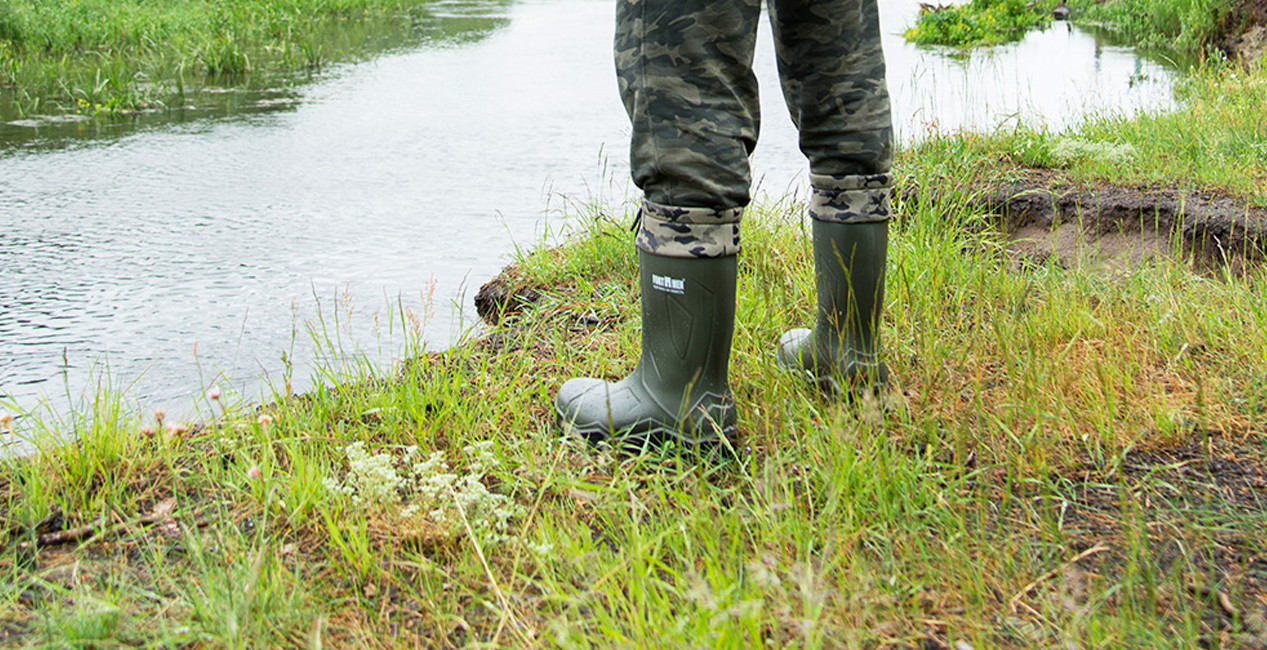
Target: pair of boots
<point>679,389</point>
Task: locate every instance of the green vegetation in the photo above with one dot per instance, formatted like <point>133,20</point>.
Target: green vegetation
<point>1219,140</point>
<point>980,22</point>
<point>1069,460</point>
<point>115,56</point>
<point>1187,27</point>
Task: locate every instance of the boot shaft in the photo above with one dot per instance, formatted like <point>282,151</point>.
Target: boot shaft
<point>688,322</point>
<point>849,270</point>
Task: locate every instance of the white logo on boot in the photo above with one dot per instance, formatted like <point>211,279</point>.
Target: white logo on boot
<point>668,285</point>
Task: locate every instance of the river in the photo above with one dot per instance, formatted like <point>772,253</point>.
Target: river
<point>165,254</point>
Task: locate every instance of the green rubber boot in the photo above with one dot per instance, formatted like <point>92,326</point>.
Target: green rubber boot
<point>842,354</point>
<point>679,390</point>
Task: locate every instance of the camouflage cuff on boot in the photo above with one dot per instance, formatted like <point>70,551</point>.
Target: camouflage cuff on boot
<point>672,231</point>
<point>850,199</point>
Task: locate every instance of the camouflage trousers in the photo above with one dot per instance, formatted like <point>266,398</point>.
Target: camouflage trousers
<point>685,74</point>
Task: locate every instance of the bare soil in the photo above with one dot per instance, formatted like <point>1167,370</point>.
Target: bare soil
<point>1115,227</point>
<point>1244,31</point>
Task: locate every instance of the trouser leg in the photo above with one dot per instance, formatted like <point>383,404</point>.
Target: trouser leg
<point>831,66</point>
<point>685,73</point>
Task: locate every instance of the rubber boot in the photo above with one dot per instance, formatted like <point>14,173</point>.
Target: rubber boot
<point>679,389</point>
<point>842,353</point>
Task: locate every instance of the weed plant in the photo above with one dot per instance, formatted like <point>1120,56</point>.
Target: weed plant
<point>980,22</point>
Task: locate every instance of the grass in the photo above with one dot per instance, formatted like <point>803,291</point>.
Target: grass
<point>1188,27</point>
<point>1070,458</point>
<point>1185,27</point>
<point>1215,142</point>
<point>105,56</point>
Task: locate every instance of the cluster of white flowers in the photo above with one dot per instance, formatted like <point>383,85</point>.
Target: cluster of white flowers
<point>1071,150</point>
<point>371,480</point>
<point>428,488</point>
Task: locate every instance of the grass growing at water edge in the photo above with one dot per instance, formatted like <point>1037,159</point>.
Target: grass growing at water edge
<point>1216,140</point>
<point>93,56</point>
<point>1187,27</point>
<point>996,502</point>
<point>979,22</point>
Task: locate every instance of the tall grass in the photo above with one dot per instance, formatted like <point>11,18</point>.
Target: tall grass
<point>96,55</point>
<point>1188,27</point>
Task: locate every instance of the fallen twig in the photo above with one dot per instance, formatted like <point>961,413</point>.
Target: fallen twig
<point>61,537</point>
<point>160,514</point>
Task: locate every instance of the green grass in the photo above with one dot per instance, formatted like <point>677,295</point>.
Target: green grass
<point>1216,141</point>
<point>94,56</point>
<point>1185,27</point>
<point>1068,458</point>
<point>1188,27</point>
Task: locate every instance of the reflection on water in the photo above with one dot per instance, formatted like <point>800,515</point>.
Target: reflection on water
<point>436,25</point>
<point>1057,77</point>
<point>192,247</point>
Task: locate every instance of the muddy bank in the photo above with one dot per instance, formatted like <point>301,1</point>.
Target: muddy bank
<point>1046,214</point>
<point>1243,34</point>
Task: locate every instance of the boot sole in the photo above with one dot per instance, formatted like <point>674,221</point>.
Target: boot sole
<point>645,434</point>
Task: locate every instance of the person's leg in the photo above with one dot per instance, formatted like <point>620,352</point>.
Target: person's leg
<point>684,69</point>
<point>685,75</point>
<point>832,70</point>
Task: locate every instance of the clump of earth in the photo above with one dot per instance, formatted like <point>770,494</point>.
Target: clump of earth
<point>1244,31</point>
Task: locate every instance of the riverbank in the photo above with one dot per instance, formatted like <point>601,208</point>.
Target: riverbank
<point>1196,30</point>
<point>1073,452</point>
<point>90,57</point>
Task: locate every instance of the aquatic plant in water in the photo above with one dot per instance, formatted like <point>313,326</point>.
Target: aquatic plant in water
<point>979,22</point>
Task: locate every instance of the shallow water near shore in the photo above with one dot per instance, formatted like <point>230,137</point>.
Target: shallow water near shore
<point>170,252</point>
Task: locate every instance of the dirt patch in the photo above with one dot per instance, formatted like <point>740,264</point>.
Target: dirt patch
<point>505,295</point>
<point>1047,215</point>
<point>1243,34</point>
<point>1197,511</point>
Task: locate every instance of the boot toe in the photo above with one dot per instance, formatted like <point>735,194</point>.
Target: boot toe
<point>790,354</point>
<point>583,403</point>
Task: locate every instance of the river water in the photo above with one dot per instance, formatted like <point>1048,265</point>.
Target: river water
<point>199,247</point>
